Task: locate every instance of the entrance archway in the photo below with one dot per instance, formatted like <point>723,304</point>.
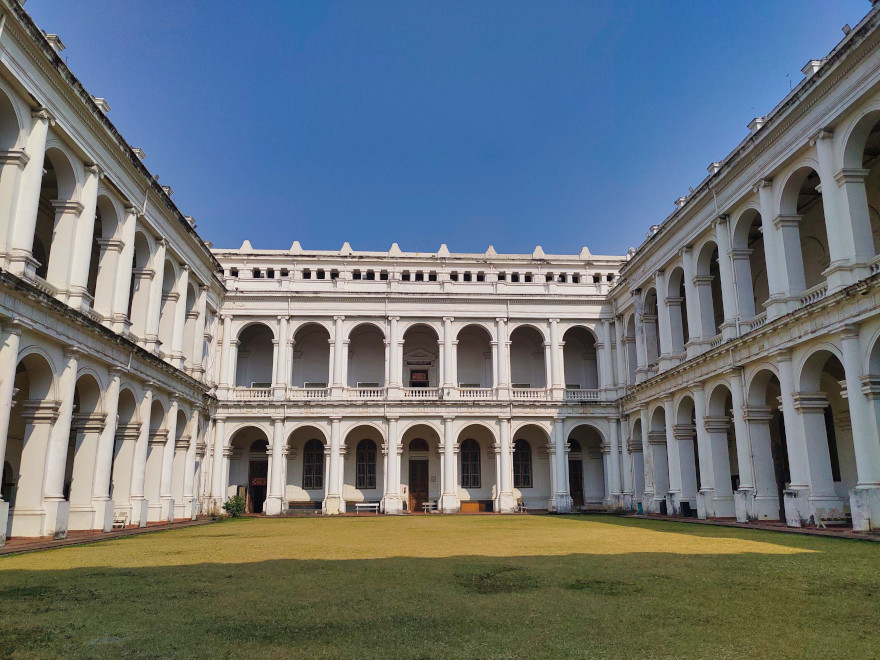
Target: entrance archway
<point>589,441</point>
<point>421,480</point>
<point>249,467</point>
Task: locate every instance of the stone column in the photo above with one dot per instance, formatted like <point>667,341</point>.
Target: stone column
<point>620,355</point>
<point>673,456</point>
<point>280,376</point>
<point>395,358</point>
<point>693,346</point>
<point>67,216</point>
<point>758,419</point>
<point>626,467</point>
<point>561,497</point>
<point>797,507</point>
<point>788,229</point>
<point>810,407</point>
<point>614,463</point>
<point>340,357</point>
<point>706,492</point>
<point>333,497</point>
<point>12,164</point>
<point>742,274</point>
<point>865,497</point>
<point>641,339</point>
<point>198,349</point>
<point>177,356</point>
<point>664,324</point>
<point>777,274</point>
<point>11,338</point>
<point>676,330</point>
<point>218,487</point>
<point>83,234</point>
<point>725,271</point>
<point>24,222</point>
<point>155,305</point>
<point>648,501</point>
<point>101,502</point>
<point>659,445</point>
<point>392,502</point>
<point>225,353</point>
<point>120,323</point>
<point>607,373</point>
<point>746,490</point>
<point>449,501</point>
<point>449,353</point>
<point>274,502</point>
<point>166,499</point>
<point>557,382</point>
<point>506,499</point>
<point>139,503</point>
<point>190,500</point>
<point>31,515</point>
<point>56,507</point>
<point>503,384</point>
<point>855,215</point>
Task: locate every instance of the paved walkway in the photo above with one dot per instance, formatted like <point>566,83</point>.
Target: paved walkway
<point>30,544</point>
<point>837,532</point>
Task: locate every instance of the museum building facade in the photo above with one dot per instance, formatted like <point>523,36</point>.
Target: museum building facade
<point>728,367</point>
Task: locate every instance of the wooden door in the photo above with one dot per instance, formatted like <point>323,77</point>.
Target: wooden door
<point>257,479</point>
<point>418,484</point>
<point>576,481</point>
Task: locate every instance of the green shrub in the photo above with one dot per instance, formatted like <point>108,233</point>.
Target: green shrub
<point>235,506</point>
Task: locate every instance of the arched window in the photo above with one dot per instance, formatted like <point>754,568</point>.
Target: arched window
<point>313,465</point>
<point>574,447</point>
<point>470,464</point>
<point>418,445</point>
<point>522,464</point>
<point>366,465</point>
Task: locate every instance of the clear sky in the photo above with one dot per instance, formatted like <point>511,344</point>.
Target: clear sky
<point>515,124</point>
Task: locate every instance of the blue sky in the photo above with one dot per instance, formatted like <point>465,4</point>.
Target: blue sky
<point>467,123</point>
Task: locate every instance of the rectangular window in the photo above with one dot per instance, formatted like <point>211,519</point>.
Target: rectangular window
<point>320,273</point>
<point>420,277</point>
<point>432,277</point>
<point>307,274</point>
<point>233,272</point>
<point>528,277</point>
<point>405,276</point>
<point>548,277</point>
<point>270,273</point>
<point>371,275</point>
<point>334,274</point>
<point>383,275</point>
<point>575,278</point>
<point>356,274</point>
<point>467,277</point>
<point>597,279</point>
<point>453,276</point>
<point>514,277</point>
<point>285,272</point>
<point>481,277</point>
<point>502,277</point>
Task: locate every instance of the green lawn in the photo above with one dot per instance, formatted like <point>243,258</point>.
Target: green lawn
<point>446,587</point>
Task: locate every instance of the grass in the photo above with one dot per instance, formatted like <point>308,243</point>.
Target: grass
<point>445,587</point>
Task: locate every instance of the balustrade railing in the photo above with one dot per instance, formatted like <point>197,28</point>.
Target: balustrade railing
<point>528,394</point>
<point>814,294</point>
<point>307,393</point>
<point>422,393</point>
<point>581,395</point>
<point>366,392</point>
<point>716,341</point>
<point>756,322</point>
<point>251,393</point>
<point>471,393</point>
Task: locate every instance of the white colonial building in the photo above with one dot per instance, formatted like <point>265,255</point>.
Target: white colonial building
<point>729,366</point>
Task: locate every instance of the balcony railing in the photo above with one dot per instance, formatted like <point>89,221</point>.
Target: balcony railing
<point>815,294</point>
<point>476,393</point>
<point>528,394</point>
<point>756,322</point>
<point>365,393</point>
<point>581,395</point>
<point>421,393</point>
<point>252,393</point>
<point>306,393</point>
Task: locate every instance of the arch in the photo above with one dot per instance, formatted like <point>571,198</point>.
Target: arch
<point>414,425</point>
<point>685,430</point>
<point>418,444</point>
<point>750,262</point>
<point>474,356</point>
<point>580,358</point>
<point>420,474</point>
<point>34,375</point>
<point>470,462</point>
<point>586,477</point>
<point>526,326</point>
<point>157,416</point>
<point>170,273</point>
<point>255,357</point>
<point>801,202</point>
<point>813,363</point>
<point>58,185</point>
<point>649,322</point>
<point>310,363</point>
<point>522,464</point>
<point>248,465</point>
<point>313,465</point>
<point>528,367</point>
<point>709,288</point>
<point>362,326</point>
<point>10,123</point>
<point>770,451</point>
<point>102,263</point>
<point>305,475</point>
<point>366,356</point>
<point>676,300</point>
<point>127,408</point>
<point>860,153</point>
<point>181,424</point>
<point>366,456</point>
<point>420,356</point>
<point>63,180</point>
<point>141,283</point>
<point>309,429</point>
<point>87,393</point>
<point>629,339</point>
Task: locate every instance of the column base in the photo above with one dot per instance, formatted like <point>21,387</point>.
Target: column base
<point>743,504</point>
<point>102,517</point>
<point>272,506</point>
<point>795,501</point>
<point>449,503</point>
<point>4,521</point>
<point>140,510</point>
<point>706,503</point>
<point>57,518</point>
<point>725,506</point>
<point>823,506</point>
<point>649,504</point>
<point>864,502</point>
<point>331,505</point>
<point>766,507</point>
<point>507,503</point>
<point>561,503</point>
<point>392,505</point>
<point>673,503</point>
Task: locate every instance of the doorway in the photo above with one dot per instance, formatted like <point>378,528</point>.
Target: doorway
<point>418,484</point>
<point>576,481</point>
<point>257,476</point>
<point>418,378</point>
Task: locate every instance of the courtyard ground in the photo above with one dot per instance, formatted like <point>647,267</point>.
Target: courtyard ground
<point>446,587</point>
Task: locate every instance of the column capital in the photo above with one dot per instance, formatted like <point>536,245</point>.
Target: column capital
<point>71,352</point>
<point>821,134</point>
<point>335,418</point>
<point>393,318</point>
<point>720,219</point>
<point>783,355</point>
<point>501,319</point>
<point>184,268</point>
<point>42,114</point>
<point>116,372</point>
<point>757,413</point>
<point>283,317</point>
<point>278,418</point>
<point>226,317</point>
<point>810,401</point>
<point>553,321</point>
<point>161,242</point>
<point>338,318</point>
<point>448,319</point>
<point>850,331</point>
<point>851,175</point>
<point>92,168</point>
<point>716,424</point>
<point>786,220</point>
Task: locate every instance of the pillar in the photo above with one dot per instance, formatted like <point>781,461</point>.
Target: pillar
<point>506,500</point>
<point>67,216</point>
<point>604,356</point>
<point>218,487</point>
<point>24,222</point>
<point>198,349</point>
<point>777,273</point>
<point>275,496</point>
<point>694,344</point>
<point>101,502</point>
<point>225,353</point>
<point>449,502</point>
<point>557,382</point>
<point>190,501</point>
<point>562,497</point>
<point>154,307</point>
<point>766,506</point>
<point>797,507</point>
<point>746,491</point>
<point>333,497</point>
<point>620,355</point>
<point>725,271</point>
<point>395,358</point>
<point>122,283</point>
<point>166,500</point>
<point>56,507</point>
<point>280,375</point>
<point>31,516</point>
<point>451,367</point>
<point>641,339</point>
<point>340,357</point>
<point>392,501</point>
<point>664,325</point>
<point>12,165</point>
<point>83,235</point>
<point>648,500</point>
<point>139,503</point>
<point>614,486</point>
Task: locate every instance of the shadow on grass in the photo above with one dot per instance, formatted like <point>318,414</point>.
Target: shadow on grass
<point>577,605</point>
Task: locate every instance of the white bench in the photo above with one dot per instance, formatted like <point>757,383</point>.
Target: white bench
<point>365,506</point>
<point>120,520</point>
<point>428,507</point>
